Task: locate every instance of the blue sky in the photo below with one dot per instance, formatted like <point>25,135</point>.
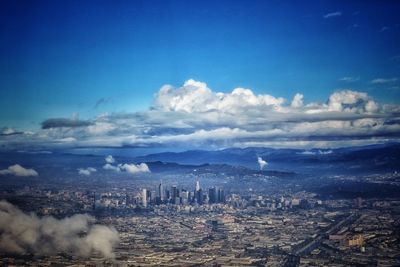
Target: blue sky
<point>60,58</point>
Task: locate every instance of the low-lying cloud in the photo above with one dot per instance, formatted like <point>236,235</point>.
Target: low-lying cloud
<point>22,233</point>
<point>86,171</point>
<point>125,167</point>
<point>110,159</point>
<point>18,170</point>
<point>134,168</point>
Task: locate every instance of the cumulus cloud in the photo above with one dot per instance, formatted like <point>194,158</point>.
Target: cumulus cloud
<point>351,101</point>
<point>195,116</point>
<point>297,101</point>
<point>262,163</point>
<point>18,170</point>
<point>333,14</point>
<point>22,233</point>
<point>134,168</point>
<point>86,172</point>
<point>111,167</point>
<point>110,159</point>
<point>129,168</point>
<point>195,96</point>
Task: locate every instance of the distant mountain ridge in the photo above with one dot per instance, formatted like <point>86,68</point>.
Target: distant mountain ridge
<point>386,156</point>
<point>158,166</point>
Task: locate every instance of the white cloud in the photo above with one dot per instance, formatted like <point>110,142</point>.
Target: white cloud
<point>195,96</point>
<point>110,159</point>
<point>194,116</point>
<point>22,233</point>
<point>108,166</point>
<point>333,14</point>
<point>18,170</point>
<point>325,152</point>
<point>383,80</point>
<point>319,152</point>
<point>351,101</point>
<point>134,168</point>
<point>297,101</point>
<point>100,128</point>
<point>129,168</point>
<point>8,131</point>
<point>86,172</point>
<point>307,152</point>
<point>349,79</point>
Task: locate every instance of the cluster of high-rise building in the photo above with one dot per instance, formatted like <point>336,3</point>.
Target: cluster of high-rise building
<point>178,196</point>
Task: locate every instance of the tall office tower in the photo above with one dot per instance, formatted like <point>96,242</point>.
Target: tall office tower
<point>161,191</point>
<point>199,196</point>
<point>174,194</point>
<point>197,186</point>
<point>212,195</point>
<point>221,196</point>
<point>190,197</point>
<point>149,195</point>
<point>144,197</point>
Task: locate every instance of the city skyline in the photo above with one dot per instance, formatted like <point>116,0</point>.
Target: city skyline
<point>200,133</point>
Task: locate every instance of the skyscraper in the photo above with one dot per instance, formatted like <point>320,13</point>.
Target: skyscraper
<point>212,195</point>
<point>199,196</point>
<point>197,186</point>
<point>221,196</point>
<point>174,194</point>
<point>144,197</point>
<point>161,191</point>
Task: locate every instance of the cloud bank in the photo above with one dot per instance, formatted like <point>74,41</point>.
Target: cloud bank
<point>18,170</point>
<point>22,233</point>
<point>195,116</point>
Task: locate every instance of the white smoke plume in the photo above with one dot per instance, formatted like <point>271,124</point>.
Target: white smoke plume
<point>262,163</point>
<point>78,235</point>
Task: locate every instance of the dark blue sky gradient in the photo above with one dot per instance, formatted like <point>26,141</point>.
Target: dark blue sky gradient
<point>61,57</point>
